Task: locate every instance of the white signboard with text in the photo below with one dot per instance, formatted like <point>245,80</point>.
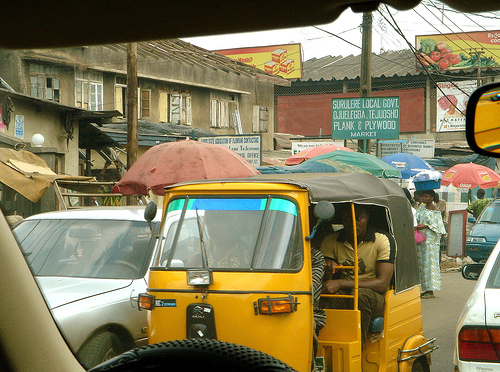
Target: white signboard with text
<point>423,148</point>
<point>298,146</point>
<point>248,146</point>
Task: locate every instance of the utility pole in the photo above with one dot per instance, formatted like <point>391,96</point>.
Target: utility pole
<point>365,86</point>
<point>478,53</point>
<point>132,113</point>
<point>132,110</point>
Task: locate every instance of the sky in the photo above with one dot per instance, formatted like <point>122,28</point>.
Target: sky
<point>317,40</point>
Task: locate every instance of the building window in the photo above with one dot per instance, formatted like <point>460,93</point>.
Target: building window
<point>145,103</point>
<point>44,82</point>
<point>89,90</point>
<point>260,119</point>
<point>175,108</point>
<point>222,106</point>
<point>121,95</point>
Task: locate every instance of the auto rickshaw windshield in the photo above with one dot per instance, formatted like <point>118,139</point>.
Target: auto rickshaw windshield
<point>236,233</point>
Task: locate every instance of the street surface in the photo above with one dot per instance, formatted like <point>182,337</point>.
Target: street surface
<point>440,316</point>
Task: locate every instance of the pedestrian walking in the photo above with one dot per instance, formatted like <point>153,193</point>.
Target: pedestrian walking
<point>430,223</point>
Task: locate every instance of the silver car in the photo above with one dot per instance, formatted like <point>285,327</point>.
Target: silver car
<point>478,329</point>
<point>91,264</point>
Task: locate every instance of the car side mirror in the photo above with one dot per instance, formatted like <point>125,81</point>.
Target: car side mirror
<point>482,120</point>
<point>471,219</point>
<point>472,271</point>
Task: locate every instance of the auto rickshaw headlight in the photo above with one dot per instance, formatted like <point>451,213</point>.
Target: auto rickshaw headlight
<point>199,277</point>
<point>269,306</point>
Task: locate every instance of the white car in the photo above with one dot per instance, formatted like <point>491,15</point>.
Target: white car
<point>478,329</point>
<point>91,264</point>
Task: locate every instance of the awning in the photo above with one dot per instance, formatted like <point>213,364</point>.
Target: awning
<point>28,174</point>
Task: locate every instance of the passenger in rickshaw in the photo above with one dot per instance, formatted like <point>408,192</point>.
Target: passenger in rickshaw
<point>376,253</point>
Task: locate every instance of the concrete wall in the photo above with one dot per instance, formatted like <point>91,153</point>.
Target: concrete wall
<point>157,74</point>
<point>47,122</point>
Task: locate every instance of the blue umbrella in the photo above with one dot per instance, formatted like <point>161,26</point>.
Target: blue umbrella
<point>408,164</point>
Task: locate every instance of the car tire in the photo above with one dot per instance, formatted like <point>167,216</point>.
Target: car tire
<point>100,348</point>
<point>194,355</point>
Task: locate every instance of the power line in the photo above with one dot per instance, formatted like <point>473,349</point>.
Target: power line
<point>462,31</point>
<point>400,32</point>
<point>357,46</point>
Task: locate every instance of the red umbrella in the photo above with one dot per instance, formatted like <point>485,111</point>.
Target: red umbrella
<point>312,152</point>
<point>470,176</point>
<point>174,162</point>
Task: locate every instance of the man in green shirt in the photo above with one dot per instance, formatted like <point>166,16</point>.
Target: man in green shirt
<point>476,207</point>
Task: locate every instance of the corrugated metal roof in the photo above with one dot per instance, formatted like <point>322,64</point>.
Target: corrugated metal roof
<point>388,64</point>
<point>181,51</point>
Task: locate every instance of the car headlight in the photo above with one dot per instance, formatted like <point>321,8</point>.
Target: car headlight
<point>476,239</point>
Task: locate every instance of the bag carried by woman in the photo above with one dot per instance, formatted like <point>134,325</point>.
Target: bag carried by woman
<point>419,236</point>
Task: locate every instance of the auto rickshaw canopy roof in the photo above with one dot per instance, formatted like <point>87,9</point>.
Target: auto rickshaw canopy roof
<point>362,189</point>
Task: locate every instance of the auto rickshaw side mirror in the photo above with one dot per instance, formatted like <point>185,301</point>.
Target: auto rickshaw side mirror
<point>472,271</point>
<point>482,120</point>
<point>150,211</point>
<point>323,211</point>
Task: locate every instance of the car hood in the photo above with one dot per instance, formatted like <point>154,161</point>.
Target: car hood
<point>60,291</point>
<point>491,231</point>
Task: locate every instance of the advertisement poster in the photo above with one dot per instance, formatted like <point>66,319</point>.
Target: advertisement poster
<point>452,100</point>
<point>458,51</point>
<point>282,60</point>
<point>2,124</point>
<point>19,126</point>
<point>365,118</point>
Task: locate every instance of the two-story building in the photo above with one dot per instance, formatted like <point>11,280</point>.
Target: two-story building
<point>70,95</point>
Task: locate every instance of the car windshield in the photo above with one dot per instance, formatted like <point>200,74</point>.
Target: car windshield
<point>490,214</point>
<point>231,233</point>
<point>85,248</point>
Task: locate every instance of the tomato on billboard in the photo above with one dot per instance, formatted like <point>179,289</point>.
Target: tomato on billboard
<point>281,60</point>
<point>458,51</point>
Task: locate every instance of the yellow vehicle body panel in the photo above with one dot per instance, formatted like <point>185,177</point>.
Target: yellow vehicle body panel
<point>289,336</point>
<point>232,295</point>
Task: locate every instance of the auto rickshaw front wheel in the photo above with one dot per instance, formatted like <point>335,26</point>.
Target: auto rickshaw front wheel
<point>420,365</point>
<point>193,355</point>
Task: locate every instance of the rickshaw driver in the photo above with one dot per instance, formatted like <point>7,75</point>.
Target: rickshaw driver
<point>224,243</point>
<point>376,266</point>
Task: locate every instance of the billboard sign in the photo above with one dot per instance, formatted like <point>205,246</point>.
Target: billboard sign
<point>452,98</point>
<point>283,60</point>
<point>365,118</point>
<point>247,146</point>
<point>458,51</point>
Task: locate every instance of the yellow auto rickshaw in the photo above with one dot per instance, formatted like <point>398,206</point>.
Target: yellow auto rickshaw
<point>233,263</point>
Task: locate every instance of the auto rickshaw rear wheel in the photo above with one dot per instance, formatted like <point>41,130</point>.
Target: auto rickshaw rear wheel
<point>193,354</point>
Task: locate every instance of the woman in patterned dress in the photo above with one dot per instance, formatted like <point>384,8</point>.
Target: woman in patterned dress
<point>431,224</point>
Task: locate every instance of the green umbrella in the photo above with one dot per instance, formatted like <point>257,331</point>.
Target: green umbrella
<point>367,162</point>
<point>341,167</point>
